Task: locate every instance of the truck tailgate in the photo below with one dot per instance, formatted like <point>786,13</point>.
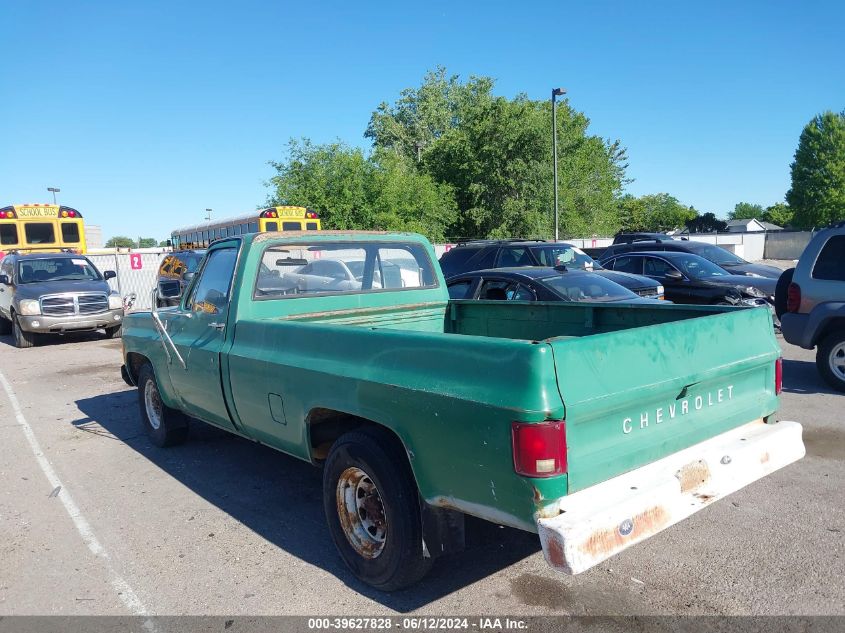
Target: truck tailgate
<point>635,396</point>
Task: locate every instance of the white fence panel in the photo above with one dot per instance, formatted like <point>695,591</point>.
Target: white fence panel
<point>137,273</point>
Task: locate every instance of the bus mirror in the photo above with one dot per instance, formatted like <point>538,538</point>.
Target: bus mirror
<point>109,274</point>
<point>188,276</point>
<point>4,279</point>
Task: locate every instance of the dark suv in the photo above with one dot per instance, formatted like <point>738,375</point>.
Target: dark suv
<point>716,254</point>
<point>175,273</point>
<point>485,254</point>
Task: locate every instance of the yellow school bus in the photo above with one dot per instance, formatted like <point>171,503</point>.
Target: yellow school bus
<point>271,219</point>
<point>41,227</point>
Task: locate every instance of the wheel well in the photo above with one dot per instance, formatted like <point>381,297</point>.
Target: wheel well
<point>325,426</point>
<point>833,325</point>
<point>134,362</point>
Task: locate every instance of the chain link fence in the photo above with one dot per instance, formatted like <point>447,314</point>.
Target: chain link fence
<point>137,273</point>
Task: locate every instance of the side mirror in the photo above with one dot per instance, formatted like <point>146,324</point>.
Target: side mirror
<point>4,279</point>
<point>109,274</point>
<point>188,276</point>
<point>674,275</point>
<point>169,289</point>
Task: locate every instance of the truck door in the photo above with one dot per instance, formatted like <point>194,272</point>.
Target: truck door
<point>198,329</point>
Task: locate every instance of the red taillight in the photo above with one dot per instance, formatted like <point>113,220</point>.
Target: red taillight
<point>71,214</point>
<point>539,449</point>
<point>778,376</point>
<point>311,215</point>
<point>793,298</point>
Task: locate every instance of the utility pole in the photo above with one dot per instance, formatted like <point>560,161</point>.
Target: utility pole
<point>208,215</point>
<point>556,92</point>
<point>54,191</point>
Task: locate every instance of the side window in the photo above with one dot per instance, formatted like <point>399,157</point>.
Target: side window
<point>272,225</point>
<point>6,268</point>
<point>252,227</point>
<point>211,292</point>
<point>524,293</point>
<point>509,257</point>
<point>497,290</point>
<point>287,226</point>
<point>485,258</point>
<point>628,265</point>
<point>656,267</point>
<point>460,290</point>
<point>831,262</point>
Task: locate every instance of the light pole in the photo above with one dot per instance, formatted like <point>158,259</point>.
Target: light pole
<point>208,215</point>
<point>54,191</point>
<point>556,92</point>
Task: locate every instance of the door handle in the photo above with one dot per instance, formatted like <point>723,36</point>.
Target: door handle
<point>216,325</point>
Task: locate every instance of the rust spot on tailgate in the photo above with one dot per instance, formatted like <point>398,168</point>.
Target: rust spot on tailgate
<point>604,542</point>
<point>693,475</point>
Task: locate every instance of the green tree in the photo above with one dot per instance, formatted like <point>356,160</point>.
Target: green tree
<point>706,223</point>
<point>654,212</point>
<point>817,196</point>
<point>496,154</point>
<point>780,214</point>
<point>353,191</point>
<point>746,211</point>
<point>147,242</point>
<point>120,241</point>
<point>163,243</point>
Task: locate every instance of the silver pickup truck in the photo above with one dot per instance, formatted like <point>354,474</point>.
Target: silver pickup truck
<point>46,293</point>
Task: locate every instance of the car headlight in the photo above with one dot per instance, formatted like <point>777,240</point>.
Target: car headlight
<point>754,292</point>
<point>115,302</point>
<point>661,290</point>
<point>30,307</point>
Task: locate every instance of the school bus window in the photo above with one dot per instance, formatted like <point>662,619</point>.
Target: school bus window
<point>311,226</point>
<point>272,226</point>
<point>70,232</point>
<point>291,226</point>
<point>39,232</point>
<point>8,234</point>
<point>253,227</point>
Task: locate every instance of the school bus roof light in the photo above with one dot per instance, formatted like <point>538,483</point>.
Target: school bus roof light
<point>269,213</point>
<point>7,212</point>
<point>310,214</point>
<point>67,212</point>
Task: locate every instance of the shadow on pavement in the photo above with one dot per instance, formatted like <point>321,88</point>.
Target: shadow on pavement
<point>280,498</point>
<point>48,340</point>
<point>801,376</point>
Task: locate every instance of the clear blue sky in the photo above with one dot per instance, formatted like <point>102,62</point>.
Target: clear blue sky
<point>146,113</point>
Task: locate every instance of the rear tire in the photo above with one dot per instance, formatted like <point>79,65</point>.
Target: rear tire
<point>830,359</point>
<point>782,290</point>
<point>114,332</point>
<point>23,339</point>
<point>164,426</point>
<point>372,508</point>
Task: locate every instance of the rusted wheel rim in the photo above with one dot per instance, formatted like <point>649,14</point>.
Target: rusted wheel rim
<point>361,512</point>
<point>152,404</point>
<point>836,360</point>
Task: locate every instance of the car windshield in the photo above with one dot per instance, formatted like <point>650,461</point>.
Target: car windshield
<point>565,255</point>
<point>718,255</point>
<point>56,269</point>
<point>697,267</point>
<point>579,287</point>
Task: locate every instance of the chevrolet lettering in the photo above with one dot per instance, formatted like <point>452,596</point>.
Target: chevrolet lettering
<point>679,409</point>
<point>343,349</point>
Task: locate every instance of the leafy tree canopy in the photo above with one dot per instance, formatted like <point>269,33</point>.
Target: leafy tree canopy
<point>817,196</point>
<point>147,242</point>
<point>120,241</point>
<point>746,211</point>
<point>706,223</point>
<point>654,212</point>
<point>780,214</point>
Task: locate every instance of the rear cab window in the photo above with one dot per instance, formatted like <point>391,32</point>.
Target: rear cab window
<point>325,268</point>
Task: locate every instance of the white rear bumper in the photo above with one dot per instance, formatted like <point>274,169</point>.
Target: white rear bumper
<point>605,519</point>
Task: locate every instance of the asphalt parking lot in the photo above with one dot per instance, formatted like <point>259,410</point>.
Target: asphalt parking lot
<point>223,526</point>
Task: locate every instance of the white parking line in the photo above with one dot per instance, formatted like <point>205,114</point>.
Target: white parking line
<point>124,591</point>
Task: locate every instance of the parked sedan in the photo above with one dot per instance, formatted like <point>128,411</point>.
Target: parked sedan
<point>723,258</point>
<point>539,284</point>
<point>689,278</point>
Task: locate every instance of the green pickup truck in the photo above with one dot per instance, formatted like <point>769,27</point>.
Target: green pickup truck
<point>594,425</point>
